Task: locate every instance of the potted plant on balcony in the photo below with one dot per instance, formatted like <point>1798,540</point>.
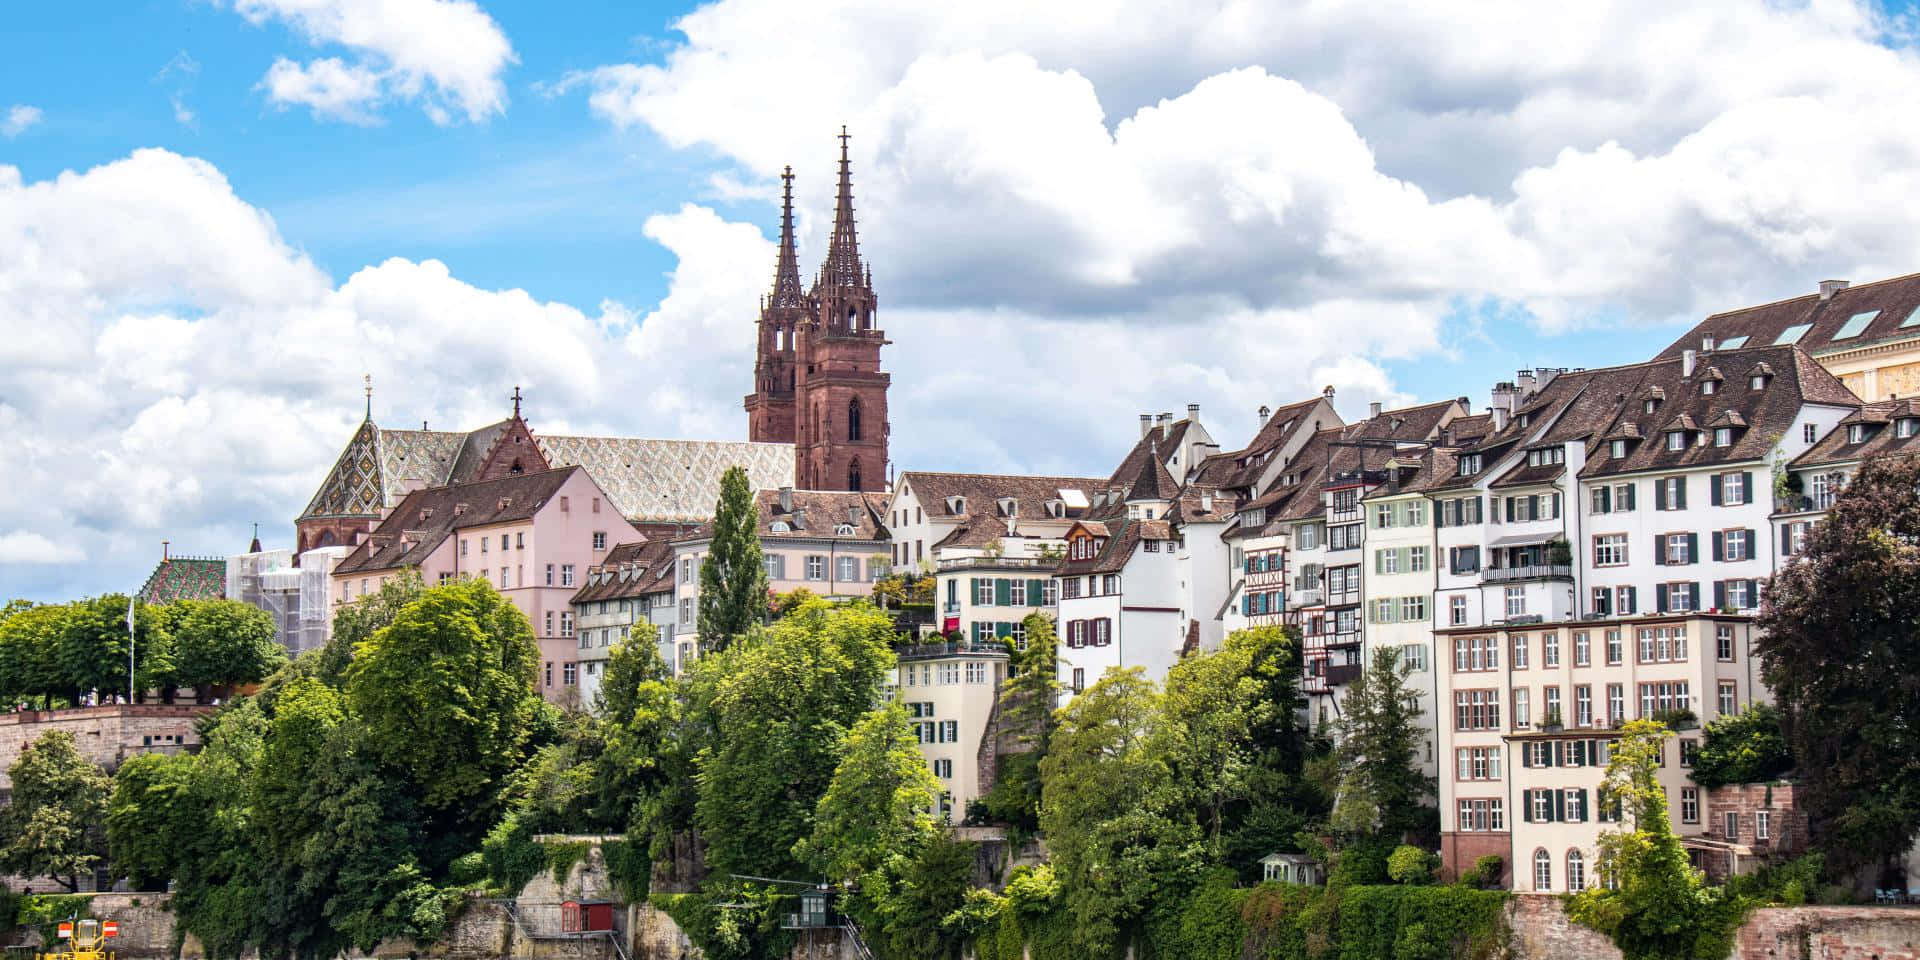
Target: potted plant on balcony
<point>1559,553</point>
<point>1551,723</point>
<point>1677,719</point>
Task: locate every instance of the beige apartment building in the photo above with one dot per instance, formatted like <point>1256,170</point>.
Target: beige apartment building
<point>950,691</point>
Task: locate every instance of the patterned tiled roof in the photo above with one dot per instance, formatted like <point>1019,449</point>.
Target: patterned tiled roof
<point>185,578</point>
<point>646,480</point>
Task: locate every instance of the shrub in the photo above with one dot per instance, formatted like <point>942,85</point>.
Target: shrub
<point>511,856</point>
<point>468,869</point>
<point>1411,865</point>
<point>1485,873</point>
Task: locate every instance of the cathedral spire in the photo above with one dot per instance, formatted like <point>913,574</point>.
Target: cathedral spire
<point>786,272</point>
<point>843,268</point>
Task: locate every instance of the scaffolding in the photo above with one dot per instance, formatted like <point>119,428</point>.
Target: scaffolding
<point>298,597</point>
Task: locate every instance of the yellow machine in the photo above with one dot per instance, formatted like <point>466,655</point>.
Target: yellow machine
<point>83,940</point>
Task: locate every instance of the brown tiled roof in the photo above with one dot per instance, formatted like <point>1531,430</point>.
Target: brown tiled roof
<point>629,570</point>
<point>984,491</point>
<point>425,518</point>
<point>1151,481</point>
<point>1191,506</point>
<point>1768,412</point>
<point>1834,448</point>
<point>1461,431</point>
<point>1241,468</point>
<point>1151,443</point>
<point>1892,303</point>
<point>816,514</point>
<point>1123,536</point>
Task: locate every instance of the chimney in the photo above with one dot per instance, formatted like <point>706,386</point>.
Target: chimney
<point>786,499</point>
<point>1166,425</point>
<point>853,517</point>
<point>1264,413</point>
<point>1373,409</point>
<point>1193,412</point>
<point>1707,344</point>
<point>1146,424</point>
<point>1502,404</point>
<point>1328,392</point>
<point>1524,381</point>
<point>1830,287</point>
<point>1686,363</point>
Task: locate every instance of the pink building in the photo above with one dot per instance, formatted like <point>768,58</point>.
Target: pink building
<point>533,536</point>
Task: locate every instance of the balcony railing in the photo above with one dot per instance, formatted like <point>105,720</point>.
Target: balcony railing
<point>1308,598</point>
<point>999,563</point>
<point>1342,673</point>
<point>1538,571</point>
<point>951,648</point>
<point>951,607</point>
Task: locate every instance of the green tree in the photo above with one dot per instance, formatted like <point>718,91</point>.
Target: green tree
<point>357,622</point>
<point>876,809</point>
<point>29,654</point>
<point>220,643</point>
<point>1279,799</point>
<point>1382,793</point>
<point>1836,624</point>
<point>644,778</point>
<point>1747,747</point>
<point>1111,812</point>
<point>733,574</point>
<point>55,824</point>
<point>1659,907</point>
<point>144,791</point>
<point>1028,701</point>
<point>444,694</point>
<point>92,647</point>
<point>780,702</point>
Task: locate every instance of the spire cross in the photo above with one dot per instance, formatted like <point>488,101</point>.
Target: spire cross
<point>516,401</point>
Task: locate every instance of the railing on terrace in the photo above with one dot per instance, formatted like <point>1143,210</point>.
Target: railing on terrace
<point>999,563</point>
<point>924,651</point>
<point>1342,673</point>
<point>1537,571</point>
<point>1308,598</point>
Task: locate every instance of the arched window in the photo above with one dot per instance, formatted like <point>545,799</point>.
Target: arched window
<point>1542,871</point>
<point>1576,871</point>
<point>853,419</point>
<point>853,318</point>
<point>853,475</point>
<point>326,539</point>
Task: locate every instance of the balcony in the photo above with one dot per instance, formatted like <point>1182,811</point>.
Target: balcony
<point>1536,571</point>
<point>999,563</point>
<point>951,608</point>
<point>1341,674</point>
<point>951,648</point>
<point>1308,598</point>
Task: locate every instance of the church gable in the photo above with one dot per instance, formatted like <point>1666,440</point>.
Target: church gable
<point>514,452</point>
<point>354,487</point>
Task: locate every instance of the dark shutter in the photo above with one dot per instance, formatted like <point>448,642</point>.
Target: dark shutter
<point>1752,544</point>
<point>1753,592</point>
<point>1631,487</point>
<point>1719,594</point>
<point>1713,489</point>
<point>1719,545</point>
<point>1003,630</point>
<point>974,585</point>
<point>1660,494</point>
<point>1633,602</point>
<point>1509,509</point>
<point>1606,500</point>
<point>1660,598</point>
<point>1559,806</point>
<point>1679,493</point>
<point>1746,486</point>
<point>1036,592</point>
<point>1559,508</point>
<point>1693,596</point>
<point>1002,592</point>
<point>1659,549</point>
<point>1693,548</point>
<point>1583,805</point>
<point>1526,755</point>
<point>1526,806</point>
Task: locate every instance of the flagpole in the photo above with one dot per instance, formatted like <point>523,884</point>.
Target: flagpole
<point>130,642</point>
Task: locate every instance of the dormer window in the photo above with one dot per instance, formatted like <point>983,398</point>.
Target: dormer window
<point>1723,436</point>
<point>1650,405</point>
<point>1056,508</point>
<point>1008,506</point>
<point>1523,419</point>
<point>781,526</point>
<point>1676,440</point>
<point>956,505</point>
<point>1707,387</point>
<point>1906,427</point>
<point>843,530</point>
<point>1546,456</point>
<point>1858,432</point>
<point>1469,464</point>
<point>1617,449</point>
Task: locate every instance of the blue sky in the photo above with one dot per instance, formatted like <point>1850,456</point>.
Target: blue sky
<point>216,217</point>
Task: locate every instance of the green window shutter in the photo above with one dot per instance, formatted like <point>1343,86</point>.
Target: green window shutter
<point>1713,489</point>
<point>974,585</point>
<point>1746,486</point>
<point>1693,548</point>
<point>1559,806</point>
<point>1659,494</point>
<point>1036,592</point>
<point>1002,592</point>
<point>1003,630</point>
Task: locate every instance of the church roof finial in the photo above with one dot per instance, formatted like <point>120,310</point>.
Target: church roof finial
<point>786,271</point>
<point>369,379</point>
<point>516,401</point>
<point>843,252</point>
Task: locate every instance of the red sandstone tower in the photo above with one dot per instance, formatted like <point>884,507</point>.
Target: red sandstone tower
<point>817,380</point>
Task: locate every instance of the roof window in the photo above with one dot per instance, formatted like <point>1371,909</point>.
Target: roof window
<point>1676,440</point>
<point>1858,432</point>
<point>1734,343</point>
<point>1855,325</point>
<point>956,505</point>
<point>781,526</point>
<point>843,530</point>
<point>1792,334</point>
<point>1912,320</point>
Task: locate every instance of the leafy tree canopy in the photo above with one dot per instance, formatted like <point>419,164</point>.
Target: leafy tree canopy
<point>733,574</point>
<point>54,825</point>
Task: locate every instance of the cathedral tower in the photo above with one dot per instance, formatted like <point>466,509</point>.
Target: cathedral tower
<point>770,405</point>
<point>840,394</point>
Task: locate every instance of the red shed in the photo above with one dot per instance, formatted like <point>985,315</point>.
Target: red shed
<point>586,916</point>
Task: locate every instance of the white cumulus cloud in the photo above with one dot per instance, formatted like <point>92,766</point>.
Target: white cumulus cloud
<point>447,55</point>
<point>18,118</point>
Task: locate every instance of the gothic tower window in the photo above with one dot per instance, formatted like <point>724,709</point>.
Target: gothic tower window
<point>853,474</point>
<point>853,421</point>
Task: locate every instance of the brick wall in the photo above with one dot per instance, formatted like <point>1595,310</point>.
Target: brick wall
<point>1459,850</point>
<point>1831,933</point>
<point>1541,931</point>
<point>105,735</point>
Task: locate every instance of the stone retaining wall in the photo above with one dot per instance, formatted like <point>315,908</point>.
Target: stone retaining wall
<point>1541,931</point>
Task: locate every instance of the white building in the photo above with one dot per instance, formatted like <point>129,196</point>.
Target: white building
<point>633,586</point>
